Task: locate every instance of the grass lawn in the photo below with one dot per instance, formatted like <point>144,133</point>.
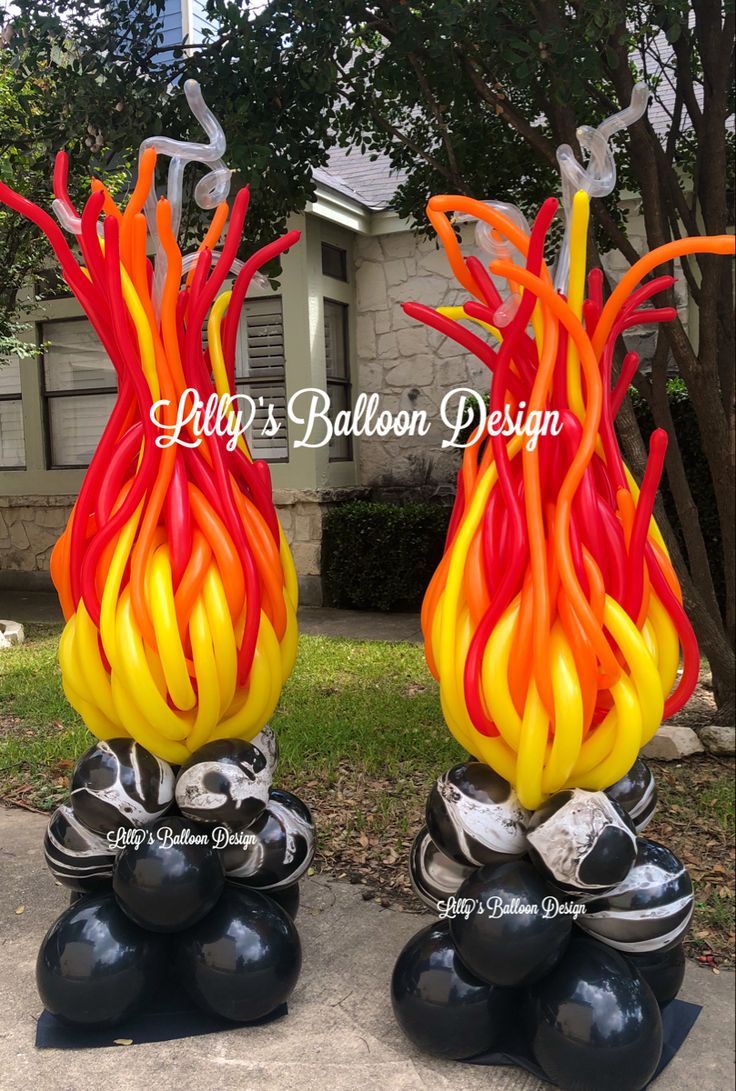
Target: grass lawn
<point>362,737</point>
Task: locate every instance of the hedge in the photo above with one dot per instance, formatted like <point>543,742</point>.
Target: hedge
<point>378,556</point>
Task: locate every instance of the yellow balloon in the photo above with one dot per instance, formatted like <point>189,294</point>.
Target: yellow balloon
<point>568,700</point>
<point>532,749</point>
<point>163,616</point>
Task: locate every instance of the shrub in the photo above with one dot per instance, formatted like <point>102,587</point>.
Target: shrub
<point>381,556</point>
<point>378,556</point>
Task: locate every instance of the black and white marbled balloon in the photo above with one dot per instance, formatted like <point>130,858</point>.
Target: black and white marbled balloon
<point>224,783</point>
<point>582,841</point>
<point>650,910</point>
<point>268,744</point>
<point>474,816</point>
<point>434,876</point>
<point>281,846</point>
<point>77,857</point>
<point>636,793</point>
<point>117,784</point>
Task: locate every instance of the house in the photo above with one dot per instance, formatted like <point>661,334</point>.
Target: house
<point>335,323</point>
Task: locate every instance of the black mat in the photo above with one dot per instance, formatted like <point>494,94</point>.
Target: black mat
<point>171,1016</point>
<point>678,1019</point>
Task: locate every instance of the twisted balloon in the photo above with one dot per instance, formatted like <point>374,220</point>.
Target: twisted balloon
<point>175,579</point>
<point>554,622</point>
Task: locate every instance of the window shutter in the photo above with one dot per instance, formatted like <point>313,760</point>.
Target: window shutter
<point>260,372</point>
<point>79,383</point>
<point>12,439</point>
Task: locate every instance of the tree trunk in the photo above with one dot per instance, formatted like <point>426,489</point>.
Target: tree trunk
<point>702,371</point>
<point>711,636</point>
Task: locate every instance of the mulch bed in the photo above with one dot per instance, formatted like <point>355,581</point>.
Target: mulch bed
<point>366,827</point>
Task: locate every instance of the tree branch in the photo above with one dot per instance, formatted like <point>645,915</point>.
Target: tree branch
<point>438,116</point>
<point>401,137</point>
<point>503,108</point>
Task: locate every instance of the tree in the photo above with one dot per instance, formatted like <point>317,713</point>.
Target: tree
<point>476,96</point>
<point>105,79</point>
<point>473,96</point>
<point>56,91</point>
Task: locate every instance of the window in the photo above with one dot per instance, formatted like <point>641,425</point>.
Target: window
<point>334,262</point>
<point>79,385</point>
<point>337,365</point>
<point>12,439</point>
<point>260,371</point>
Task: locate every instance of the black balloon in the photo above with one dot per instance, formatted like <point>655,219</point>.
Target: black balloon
<point>95,966</point>
<point>636,793</point>
<point>277,849</point>
<point>440,1006</point>
<point>593,1023</point>
<point>243,960</point>
<point>170,880</point>
<point>582,841</point>
<point>77,857</point>
<point>474,816</point>
<point>225,782</point>
<point>663,971</point>
<point>434,876</point>
<point>117,785</point>
<point>650,910</point>
<point>511,926</point>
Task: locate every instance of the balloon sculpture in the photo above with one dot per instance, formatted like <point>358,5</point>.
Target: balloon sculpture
<point>180,595</point>
<point>554,625</point>
<point>173,572</point>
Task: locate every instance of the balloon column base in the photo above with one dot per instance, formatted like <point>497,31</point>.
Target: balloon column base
<point>201,899</point>
<point>678,1019</point>
<point>559,946</point>
<point>170,1017</point>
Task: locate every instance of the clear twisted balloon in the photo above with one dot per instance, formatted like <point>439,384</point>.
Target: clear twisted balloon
<point>209,191</point>
<point>598,179</point>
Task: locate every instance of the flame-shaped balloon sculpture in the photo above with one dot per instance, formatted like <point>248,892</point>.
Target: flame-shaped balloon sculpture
<point>176,582</point>
<point>554,622</point>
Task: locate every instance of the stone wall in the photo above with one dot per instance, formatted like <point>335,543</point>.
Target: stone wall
<point>29,527</point>
<point>412,367</point>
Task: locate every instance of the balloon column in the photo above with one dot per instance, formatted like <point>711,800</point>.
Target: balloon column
<point>554,622</point>
<point>191,875</point>
<point>179,594</point>
<point>555,627</point>
<point>176,582</point>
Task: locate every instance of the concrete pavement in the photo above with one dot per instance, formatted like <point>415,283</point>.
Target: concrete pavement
<point>359,624</point>
<point>29,606</point>
<point>339,1035</point>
